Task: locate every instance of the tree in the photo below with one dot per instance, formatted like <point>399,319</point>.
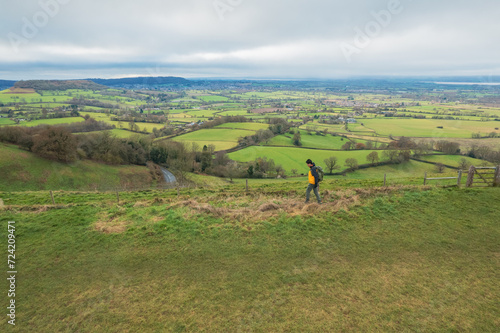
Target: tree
<point>464,164</point>
<point>440,167</point>
<point>352,163</point>
<point>331,164</point>
<point>360,146</point>
<point>347,146</point>
<point>296,139</point>
<point>206,158</point>
<point>391,155</point>
<point>373,157</point>
<point>55,143</point>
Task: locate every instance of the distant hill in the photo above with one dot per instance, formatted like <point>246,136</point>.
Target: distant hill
<point>5,84</point>
<point>58,85</point>
<point>143,81</point>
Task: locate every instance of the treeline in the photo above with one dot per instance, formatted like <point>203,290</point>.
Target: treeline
<point>220,121</point>
<point>93,102</point>
<point>59,144</point>
<point>277,126</point>
<point>59,85</point>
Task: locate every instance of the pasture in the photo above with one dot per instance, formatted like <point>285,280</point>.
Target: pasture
<point>295,158</point>
<point>246,126</point>
<point>429,127</point>
<point>311,141</point>
<point>53,121</point>
<point>222,138</point>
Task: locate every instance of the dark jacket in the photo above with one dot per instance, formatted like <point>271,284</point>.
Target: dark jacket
<point>314,173</point>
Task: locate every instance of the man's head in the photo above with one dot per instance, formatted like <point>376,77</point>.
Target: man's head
<point>309,163</point>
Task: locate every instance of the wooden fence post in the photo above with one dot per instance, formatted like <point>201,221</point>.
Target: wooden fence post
<point>459,178</point>
<point>496,180</point>
<point>52,196</point>
<point>178,191</point>
<point>117,197</point>
<point>247,186</point>
<point>470,176</point>
<point>425,179</point>
<point>385,179</point>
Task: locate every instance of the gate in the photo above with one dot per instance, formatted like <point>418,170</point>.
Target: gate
<point>483,176</point>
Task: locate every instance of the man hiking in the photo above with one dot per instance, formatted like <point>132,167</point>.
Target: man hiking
<point>313,181</point>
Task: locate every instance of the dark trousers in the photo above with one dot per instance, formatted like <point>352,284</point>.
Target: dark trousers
<point>316,192</point>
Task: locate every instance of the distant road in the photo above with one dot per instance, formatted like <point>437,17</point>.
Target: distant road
<point>169,177</point>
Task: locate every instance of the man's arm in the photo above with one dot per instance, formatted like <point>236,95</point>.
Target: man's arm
<point>314,172</point>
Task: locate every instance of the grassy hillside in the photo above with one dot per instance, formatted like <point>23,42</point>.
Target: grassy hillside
<point>391,260</point>
<point>22,171</point>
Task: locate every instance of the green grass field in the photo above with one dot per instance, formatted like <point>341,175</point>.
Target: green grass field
<point>5,121</point>
<point>454,160</point>
<point>247,126</point>
<point>311,141</point>
<point>295,158</point>
<point>213,98</point>
<point>221,138</point>
<point>393,260</point>
<point>55,121</point>
<point>119,133</point>
<point>403,170</point>
<point>24,171</point>
<point>233,113</point>
<point>428,127</point>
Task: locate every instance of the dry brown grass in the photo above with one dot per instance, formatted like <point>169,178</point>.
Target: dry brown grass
<point>110,224</point>
<point>253,207</point>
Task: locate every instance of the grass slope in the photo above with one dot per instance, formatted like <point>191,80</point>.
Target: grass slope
<point>402,260</point>
<point>24,171</point>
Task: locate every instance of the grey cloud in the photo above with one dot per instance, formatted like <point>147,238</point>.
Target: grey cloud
<point>256,37</point>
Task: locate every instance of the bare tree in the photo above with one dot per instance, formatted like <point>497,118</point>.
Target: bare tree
<point>440,167</point>
<point>464,164</point>
<point>331,164</point>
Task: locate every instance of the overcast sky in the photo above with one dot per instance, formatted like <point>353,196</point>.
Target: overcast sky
<point>248,38</point>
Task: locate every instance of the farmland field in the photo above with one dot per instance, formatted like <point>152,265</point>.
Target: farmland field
<point>311,141</point>
<point>454,160</point>
<point>222,138</point>
<point>247,126</point>
<point>5,121</point>
<point>295,158</point>
<point>55,121</point>
<point>429,127</point>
